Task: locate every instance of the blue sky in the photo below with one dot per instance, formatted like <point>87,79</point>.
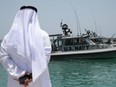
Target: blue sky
<point>96,15</point>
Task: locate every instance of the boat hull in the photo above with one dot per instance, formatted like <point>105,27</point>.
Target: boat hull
<point>101,53</point>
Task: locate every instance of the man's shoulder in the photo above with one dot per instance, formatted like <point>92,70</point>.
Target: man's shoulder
<point>44,33</point>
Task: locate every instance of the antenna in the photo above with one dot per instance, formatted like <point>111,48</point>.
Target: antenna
<point>61,24</point>
<point>77,20</point>
<point>95,27</point>
<point>100,30</point>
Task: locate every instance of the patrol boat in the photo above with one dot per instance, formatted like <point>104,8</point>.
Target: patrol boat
<point>88,45</point>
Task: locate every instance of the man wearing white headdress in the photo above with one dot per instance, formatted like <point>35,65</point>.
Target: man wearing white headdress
<point>25,51</point>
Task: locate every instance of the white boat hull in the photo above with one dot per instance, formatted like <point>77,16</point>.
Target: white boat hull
<point>97,53</point>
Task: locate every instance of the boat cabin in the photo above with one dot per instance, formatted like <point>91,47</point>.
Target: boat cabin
<point>67,43</point>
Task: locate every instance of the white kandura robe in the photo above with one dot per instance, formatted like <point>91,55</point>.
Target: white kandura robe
<point>26,47</point>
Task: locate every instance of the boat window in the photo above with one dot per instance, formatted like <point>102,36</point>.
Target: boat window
<point>60,43</point>
<point>56,45</point>
<point>79,41</point>
<point>97,40</point>
<point>74,41</point>
<point>68,42</point>
<point>84,41</point>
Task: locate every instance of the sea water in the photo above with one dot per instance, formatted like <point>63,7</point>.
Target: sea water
<point>69,72</point>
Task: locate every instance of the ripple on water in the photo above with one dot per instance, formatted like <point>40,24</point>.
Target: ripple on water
<point>83,73</point>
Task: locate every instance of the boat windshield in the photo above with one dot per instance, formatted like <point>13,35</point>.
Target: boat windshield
<point>74,41</point>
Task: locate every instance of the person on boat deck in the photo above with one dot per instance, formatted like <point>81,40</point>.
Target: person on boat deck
<point>25,51</point>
